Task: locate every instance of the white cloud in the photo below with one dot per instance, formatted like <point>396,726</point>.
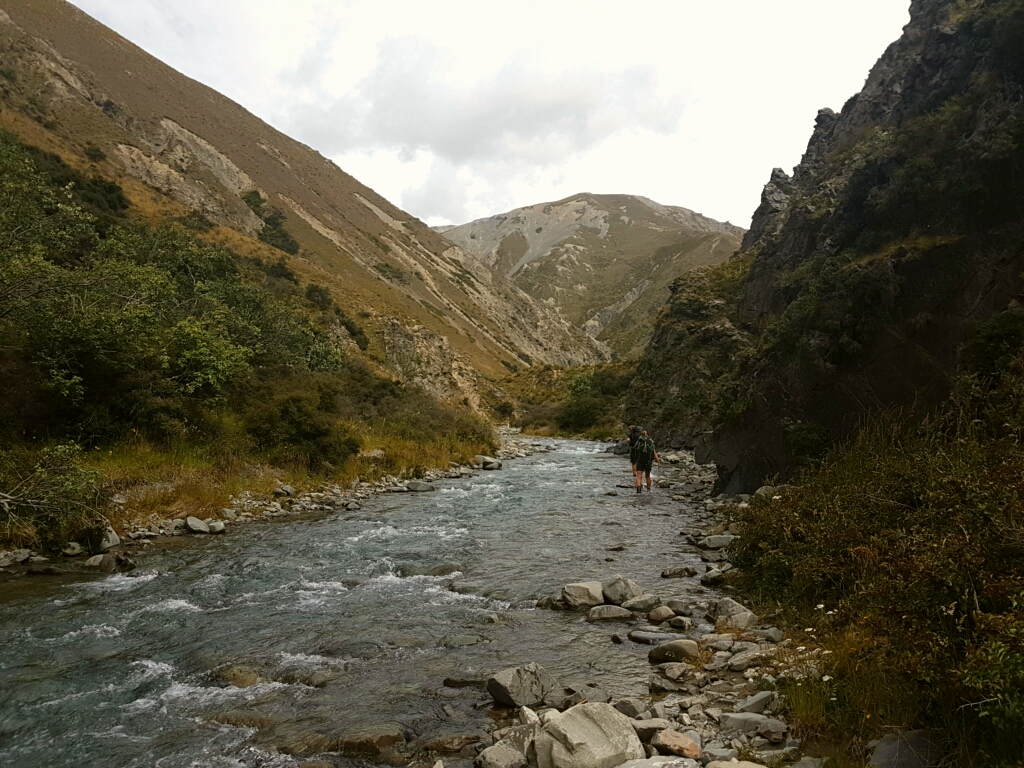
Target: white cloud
<point>456,110</point>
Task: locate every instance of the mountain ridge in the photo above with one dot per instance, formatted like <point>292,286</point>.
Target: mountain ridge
<point>604,261</point>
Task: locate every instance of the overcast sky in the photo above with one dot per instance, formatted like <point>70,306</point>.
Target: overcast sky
<point>458,110</point>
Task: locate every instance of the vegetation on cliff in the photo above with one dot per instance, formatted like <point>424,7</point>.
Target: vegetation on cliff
<point>118,338</point>
<point>549,400</point>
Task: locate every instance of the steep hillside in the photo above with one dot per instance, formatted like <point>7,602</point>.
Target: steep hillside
<point>604,261</point>
<point>180,150</point>
<point>865,271</point>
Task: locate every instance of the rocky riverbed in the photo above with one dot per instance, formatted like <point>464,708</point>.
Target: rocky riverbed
<point>371,624</point>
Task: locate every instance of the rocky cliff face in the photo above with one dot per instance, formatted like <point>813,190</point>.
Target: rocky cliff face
<point>604,262</point>
<point>867,269</point>
<point>74,87</point>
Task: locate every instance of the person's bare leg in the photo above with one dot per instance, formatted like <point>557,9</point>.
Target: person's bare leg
<point>648,481</point>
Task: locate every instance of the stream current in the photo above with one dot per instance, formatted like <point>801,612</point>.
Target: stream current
<point>129,669</point>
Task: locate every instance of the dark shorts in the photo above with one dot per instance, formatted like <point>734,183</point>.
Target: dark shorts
<point>644,466</point>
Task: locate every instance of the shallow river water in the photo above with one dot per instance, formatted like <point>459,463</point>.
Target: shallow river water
<point>129,670</point>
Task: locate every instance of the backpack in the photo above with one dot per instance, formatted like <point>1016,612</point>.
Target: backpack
<point>644,450</point>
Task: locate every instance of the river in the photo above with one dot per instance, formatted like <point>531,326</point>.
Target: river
<point>130,669</point>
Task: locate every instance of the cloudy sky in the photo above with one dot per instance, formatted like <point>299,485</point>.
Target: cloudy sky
<point>458,110</point>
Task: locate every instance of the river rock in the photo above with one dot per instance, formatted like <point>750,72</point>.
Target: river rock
<point>660,614</point>
<point>676,743</point>
<point>756,703</point>
<point>528,717</point>
<point>501,755</point>
<point>240,677</point>
<point>716,542</point>
<point>646,729</point>
<point>643,603</point>
<point>110,539</point>
<point>743,620</point>
<point>195,525</point>
<point>647,637</point>
<point>398,489</point>
<point>450,743</point>
<point>419,486</point>
<point>712,578</point>
<point>662,761</point>
<point>681,622</point>
<point>582,594</point>
<point>71,549</point>
<point>609,613</point>
<point>734,764</point>
<point>910,749</point>
<point>773,729</point>
<point>745,722</point>
<point>228,514</point>
<point>283,491</point>
<point>217,527</point>
<point>679,572</point>
<point>677,650</point>
<point>619,589</point>
<point>631,707</point>
<point>588,736</point>
<point>747,659</point>
<point>524,686</point>
<point>372,740</point>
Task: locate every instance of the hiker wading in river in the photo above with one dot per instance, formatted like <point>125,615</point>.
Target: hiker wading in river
<point>633,438</point>
<point>645,458</point>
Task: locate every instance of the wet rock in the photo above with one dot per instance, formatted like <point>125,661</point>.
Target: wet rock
<point>583,594</point>
<point>501,755</point>
<point>647,637</point>
<point>588,736</point>
<point>647,729</point>
<point>756,703</point>
<point>643,603</point>
<point>72,549</point>
<point>681,622</point>
<point>372,740</point>
<point>217,527</point>
<point>910,749</point>
<point>712,578</point>
<point>679,572</point>
<point>680,607</point>
<point>450,743</point>
<point>524,686</point>
<point>110,539</point>
<point>465,682</point>
<point>44,570</point>
<point>660,614</point>
<point>420,487</point>
<point>308,743</point>
<point>240,677</point>
<point>195,525</point>
<point>676,743</point>
<point>619,589</point>
<point>240,718</point>
<point>677,650</point>
<point>609,613</point>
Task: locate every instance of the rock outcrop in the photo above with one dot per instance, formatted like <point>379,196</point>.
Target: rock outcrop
<point>865,272</point>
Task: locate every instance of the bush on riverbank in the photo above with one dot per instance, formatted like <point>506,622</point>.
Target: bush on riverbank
<point>149,343</point>
<point>903,551</point>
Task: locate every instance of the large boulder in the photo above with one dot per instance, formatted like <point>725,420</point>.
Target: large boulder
<point>643,603</point>
<point>195,525</point>
<point>619,589</point>
<point>588,736</point>
<point>609,613</point>
<point>583,594</point>
<point>673,742</point>
<point>501,755</point>
<point>677,650</point>
<point>110,539</point>
<point>524,686</point>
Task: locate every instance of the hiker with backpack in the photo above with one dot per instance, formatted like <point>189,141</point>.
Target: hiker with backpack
<point>645,458</point>
<point>633,437</point>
